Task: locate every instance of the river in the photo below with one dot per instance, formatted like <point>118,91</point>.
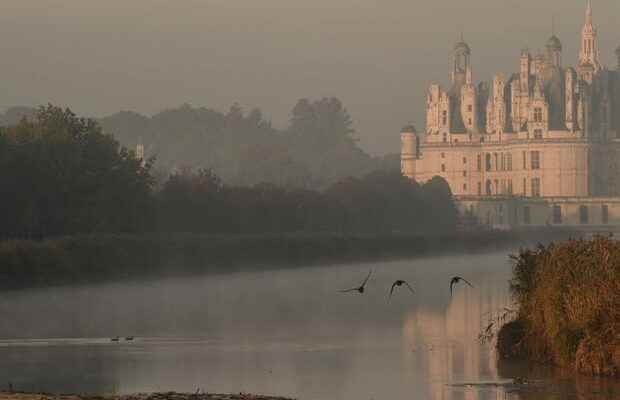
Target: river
<point>282,332</point>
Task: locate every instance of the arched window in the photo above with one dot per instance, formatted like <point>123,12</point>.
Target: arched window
<point>488,161</point>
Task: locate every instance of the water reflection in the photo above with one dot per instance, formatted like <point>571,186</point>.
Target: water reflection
<point>285,332</point>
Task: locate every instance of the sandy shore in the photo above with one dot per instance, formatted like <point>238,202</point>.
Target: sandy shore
<point>142,396</point>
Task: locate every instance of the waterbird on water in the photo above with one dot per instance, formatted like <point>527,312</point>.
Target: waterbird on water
<point>456,280</point>
<point>399,283</point>
<point>361,288</point>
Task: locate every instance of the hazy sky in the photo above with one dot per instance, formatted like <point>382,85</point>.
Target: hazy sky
<point>99,57</point>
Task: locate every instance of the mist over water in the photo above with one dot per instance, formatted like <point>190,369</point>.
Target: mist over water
<point>285,332</point>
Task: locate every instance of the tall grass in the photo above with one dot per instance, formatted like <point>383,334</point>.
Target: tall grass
<point>569,303</point>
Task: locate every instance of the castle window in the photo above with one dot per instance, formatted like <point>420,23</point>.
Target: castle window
<point>479,188</point>
<point>605,214</point>
<point>464,160</point>
<point>445,137</point>
<point>443,155</point>
<point>557,215</point>
<point>583,215</point>
<point>538,134</point>
<point>503,162</point>
<point>525,186</point>
<point>496,162</point>
<point>535,187</point>
<point>488,162</point>
<point>489,189</point>
<point>509,161</point>
<point>444,117</point>
<point>479,162</point>
<point>464,174</point>
<point>535,159</point>
<point>443,167</point>
<point>510,187</point>
<point>464,187</point>
<point>470,108</point>
<point>538,114</point>
<point>497,190</point>
<point>524,160</point>
<point>469,121</point>
<point>527,217</point>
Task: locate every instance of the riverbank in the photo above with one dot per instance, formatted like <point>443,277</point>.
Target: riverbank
<point>152,396</point>
<point>568,298</point>
<point>95,258</point>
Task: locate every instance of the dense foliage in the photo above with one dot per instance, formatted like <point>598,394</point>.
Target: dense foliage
<point>380,202</point>
<point>61,175</point>
<point>569,304</point>
<point>317,149</point>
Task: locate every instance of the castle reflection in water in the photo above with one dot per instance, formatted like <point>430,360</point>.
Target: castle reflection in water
<point>446,345</point>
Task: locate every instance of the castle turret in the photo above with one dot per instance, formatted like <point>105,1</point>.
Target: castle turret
<point>570,97</point>
<point>524,75</point>
<point>410,151</point>
<point>140,152</point>
<point>589,59</point>
<point>554,51</point>
<point>461,71</point>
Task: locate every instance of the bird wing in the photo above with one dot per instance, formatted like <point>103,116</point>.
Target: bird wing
<point>409,286</point>
<point>348,290</point>
<point>368,277</point>
<point>467,282</point>
<point>392,289</point>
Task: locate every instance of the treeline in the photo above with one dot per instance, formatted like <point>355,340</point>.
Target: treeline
<point>62,175</point>
<point>318,148</point>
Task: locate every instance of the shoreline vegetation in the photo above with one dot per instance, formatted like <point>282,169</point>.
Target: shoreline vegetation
<point>84,259</point>
<point>140,396</point>
<point>568,299</point>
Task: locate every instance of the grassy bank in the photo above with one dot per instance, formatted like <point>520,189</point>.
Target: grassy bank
<point>568,297</point>
<point>80,259</point>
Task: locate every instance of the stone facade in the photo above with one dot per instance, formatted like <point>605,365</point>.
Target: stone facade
<point>545,135</point>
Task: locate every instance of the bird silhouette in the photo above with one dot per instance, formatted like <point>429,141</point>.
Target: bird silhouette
<point>399,283</point>
<point>361,288</point>
<point>456,280</point>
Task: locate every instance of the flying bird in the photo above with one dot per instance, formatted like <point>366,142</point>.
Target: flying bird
<point>400,283</point>
<point>456,280</point>
<point>360,289</point>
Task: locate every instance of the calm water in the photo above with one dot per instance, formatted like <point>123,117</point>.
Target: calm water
<point>279,332</point>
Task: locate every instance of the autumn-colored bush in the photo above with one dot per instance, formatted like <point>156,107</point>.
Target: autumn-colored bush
<point>569,303</point>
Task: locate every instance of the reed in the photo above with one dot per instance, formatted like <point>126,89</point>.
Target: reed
<point>568,296</point>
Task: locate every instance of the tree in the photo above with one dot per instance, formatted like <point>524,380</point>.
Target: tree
<point>66,176</point>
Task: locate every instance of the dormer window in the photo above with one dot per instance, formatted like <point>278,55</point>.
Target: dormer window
<point>538,114</point>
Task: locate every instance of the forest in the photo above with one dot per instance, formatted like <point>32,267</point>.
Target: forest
<point>61,174</point>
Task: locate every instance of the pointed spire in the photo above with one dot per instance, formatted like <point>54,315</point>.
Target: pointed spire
<point>589,13</point>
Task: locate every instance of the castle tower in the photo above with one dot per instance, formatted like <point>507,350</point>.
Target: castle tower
<point>589,59</point>
<point>524,76</point>
<point>570,97</point>
<point>461,71</point>
<point>410,151</point>
<point>554,51</point>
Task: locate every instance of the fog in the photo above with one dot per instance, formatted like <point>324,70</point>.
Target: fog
<point>376,56</point>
